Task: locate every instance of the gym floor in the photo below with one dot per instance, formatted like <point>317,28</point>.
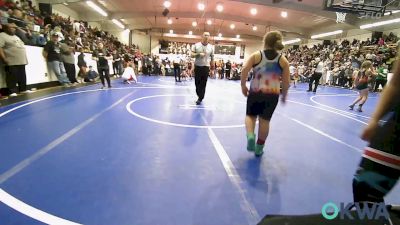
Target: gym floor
<point>146,154</point>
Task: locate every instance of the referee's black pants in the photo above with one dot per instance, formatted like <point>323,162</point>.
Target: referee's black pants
<point>314,78</point>
<point>200,79</point>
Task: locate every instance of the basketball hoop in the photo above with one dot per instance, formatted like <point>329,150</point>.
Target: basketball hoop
<point>340,17</point>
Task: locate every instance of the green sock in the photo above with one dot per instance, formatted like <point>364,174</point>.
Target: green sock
<point>251,142</point>
<point>259,150</point>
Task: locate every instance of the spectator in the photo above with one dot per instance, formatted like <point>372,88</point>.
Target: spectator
<point>52,54</point>
<point>381,78</point>
<point>101,55</point>
<point>68,58</point>
<point>13,54</point>
<point>82,65</point>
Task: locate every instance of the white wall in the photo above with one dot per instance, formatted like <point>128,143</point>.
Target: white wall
<point>122,35</point>
<point>64,11</point>
<point>94,24</point>
<point>143,41</point>
<point>37,71</point>
<point>155,46</point>
<point>251,48</point>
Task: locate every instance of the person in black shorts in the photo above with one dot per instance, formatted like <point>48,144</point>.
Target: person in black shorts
<point>269,68</point>
<point>379,169</point>
<point>361,84</point>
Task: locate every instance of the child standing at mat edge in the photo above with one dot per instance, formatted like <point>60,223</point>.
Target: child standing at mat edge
<point>270,68</point>
<point>361,84</point>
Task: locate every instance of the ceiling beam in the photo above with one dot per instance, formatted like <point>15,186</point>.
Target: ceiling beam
<point>225,17</point>
<point>302,7</point>
<point>54,2</point>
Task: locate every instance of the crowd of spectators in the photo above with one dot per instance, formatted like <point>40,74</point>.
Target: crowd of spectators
<point>341,59</point>
<point>23,24</point>
<point>35,28</point>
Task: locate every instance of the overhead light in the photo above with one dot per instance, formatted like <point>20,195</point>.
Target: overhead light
<point>219,35</point>
<point>103,3</point>
<point>169,21</point>
<point>171,31</point>
<point>326,34</point>
<point>284,14</point>
<point>65,3</point>
<point>96,8</point>
<point>220,7</point>
<point>238,36</point>
<point>291,41</point>
<point>253,11</point>
<point>381,23</point>
<point>118,23</point>
<point>201,6</point>
<point>190,33</point>
<point>209,22</point>
<point>194,23</point>
<point>255,28</point>
<point>392,12</point>
<point>232,26</point>
<point>167,4</point>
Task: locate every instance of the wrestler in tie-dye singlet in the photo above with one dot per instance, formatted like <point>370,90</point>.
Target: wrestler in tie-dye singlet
<point>267,76</point>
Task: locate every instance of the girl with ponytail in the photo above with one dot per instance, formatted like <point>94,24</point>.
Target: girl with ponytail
<point>270,68</point>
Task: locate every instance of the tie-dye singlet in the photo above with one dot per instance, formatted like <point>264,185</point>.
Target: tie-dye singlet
<point>267,76</point>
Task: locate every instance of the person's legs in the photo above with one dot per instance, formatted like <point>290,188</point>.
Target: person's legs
<point>263,130</point>
<point>120,68</point>
<point>317,78</point>
<point>179,74</point>
<point>197,80</point>
<point>350,82</point>
<point>364,97</point>
<point>107,76</point>
<point>310,83</point>
<point>355,101</point>
<point>250,122</point>
<point>379,82</point>
<point>82,73</point>
<point>203,81</point>
<point>71,73</point>
<point>101,74</point>
<point>63,73</point>
<point>11,79</point>
<point>176,74</point>
<point>21,78</point>
<point>115,68</point>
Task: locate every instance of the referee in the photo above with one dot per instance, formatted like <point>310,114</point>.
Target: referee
<point>203,52</point>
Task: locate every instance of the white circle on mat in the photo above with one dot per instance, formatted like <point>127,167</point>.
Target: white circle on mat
<point>131,111</point>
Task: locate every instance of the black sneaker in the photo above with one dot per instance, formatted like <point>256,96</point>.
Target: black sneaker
<point>198,102</point>
<point>351,107</point>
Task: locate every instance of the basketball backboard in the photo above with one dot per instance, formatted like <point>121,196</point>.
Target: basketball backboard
<point>363,8</point>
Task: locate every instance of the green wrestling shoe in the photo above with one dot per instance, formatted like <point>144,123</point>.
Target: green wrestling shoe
<point>251,142</point>
<point>259,150</point>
